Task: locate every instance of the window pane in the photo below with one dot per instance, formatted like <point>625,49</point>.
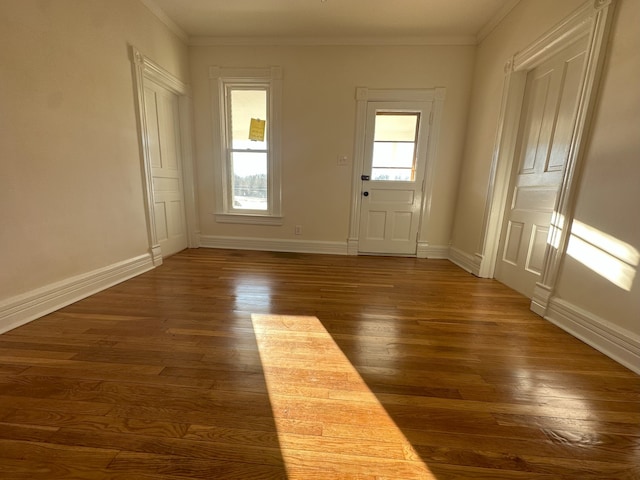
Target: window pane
<point>245,105</point>
<point>393,154</point>
<point>394,146</point>
<point>249,180</point>
<point>396,127</point>
<point>392,174</point>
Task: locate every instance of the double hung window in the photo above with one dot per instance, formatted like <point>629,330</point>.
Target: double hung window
<point>247,137</point>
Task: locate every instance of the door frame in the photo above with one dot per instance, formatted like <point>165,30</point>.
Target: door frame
<point>146,70</point>
<point>365,95</point>
<point>591,20</point>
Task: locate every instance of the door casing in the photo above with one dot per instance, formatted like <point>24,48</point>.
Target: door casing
<point>593,20</point>
<point>392,202</point>
<point>545,131</point>
<point>163,124</point>
<point>145,70</point>
<point>436,97</point>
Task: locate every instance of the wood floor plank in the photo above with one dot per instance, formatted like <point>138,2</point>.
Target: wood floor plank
<point>265,365</point>
<point>63,454</point>
<point>98,423</point>
<point>188,467</point>
<point>30,433</point>
<point>8,403</point>
<point>219,451</point>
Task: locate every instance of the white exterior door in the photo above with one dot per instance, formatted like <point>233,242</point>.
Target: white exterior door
<point>163,134</point>
<point>396,136</point>
<point>547,121</point>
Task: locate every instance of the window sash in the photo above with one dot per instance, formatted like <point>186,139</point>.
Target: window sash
<point>234,205</point>
<point>221,79</point>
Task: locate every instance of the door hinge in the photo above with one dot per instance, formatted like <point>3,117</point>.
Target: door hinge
<point>431,117</point>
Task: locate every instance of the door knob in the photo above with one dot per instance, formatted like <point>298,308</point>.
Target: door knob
<point>366,194</point>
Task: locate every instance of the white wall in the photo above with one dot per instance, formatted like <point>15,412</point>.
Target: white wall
<point>319,84</point>
<point>71,197</point>
<point>599,312</point>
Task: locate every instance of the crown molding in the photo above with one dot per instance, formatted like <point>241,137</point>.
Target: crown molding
<point>460,40</point>
<point>165,19</point>
<point>495,20</point>
<point>454,40</point>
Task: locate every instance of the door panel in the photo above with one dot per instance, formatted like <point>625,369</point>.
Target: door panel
<point>376,223</point>
<point>566,116</point>
<point>163,134</point>
<point>546,126</point>
<point>401,229</point>
<point>513,242</point>
<point>538,122</point>
<point>160,213</point>
<point>537,248</point>
<point>395,155</point>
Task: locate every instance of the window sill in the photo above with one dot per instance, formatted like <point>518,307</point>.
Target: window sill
<point>249,219</point>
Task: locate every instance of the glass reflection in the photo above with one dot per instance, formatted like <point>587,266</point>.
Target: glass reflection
<point>252,293</point>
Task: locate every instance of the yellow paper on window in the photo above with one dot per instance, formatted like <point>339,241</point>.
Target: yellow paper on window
<point>256,130</point>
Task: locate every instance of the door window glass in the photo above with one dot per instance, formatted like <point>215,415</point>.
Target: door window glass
<point>394,146</point>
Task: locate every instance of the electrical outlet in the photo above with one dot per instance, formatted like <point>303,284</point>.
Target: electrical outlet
<point>298,230</point>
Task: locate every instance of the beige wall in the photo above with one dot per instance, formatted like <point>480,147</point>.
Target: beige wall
<point>319,85</point>
<point>609,191</point>
<point>71,198</point>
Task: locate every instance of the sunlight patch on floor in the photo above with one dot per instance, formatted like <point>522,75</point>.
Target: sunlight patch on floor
<point>312,383</point>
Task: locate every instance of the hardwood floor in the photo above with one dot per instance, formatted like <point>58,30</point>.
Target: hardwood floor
<point>249,365</point>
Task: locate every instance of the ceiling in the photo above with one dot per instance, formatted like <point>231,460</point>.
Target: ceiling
<point>437,21</point>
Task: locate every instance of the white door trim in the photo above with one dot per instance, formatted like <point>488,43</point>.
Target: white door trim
<point>593,20</point>
<point>363,96</point>
<point>145,69</point>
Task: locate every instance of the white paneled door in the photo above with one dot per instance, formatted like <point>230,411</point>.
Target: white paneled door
<point>395,153</point>
<point>548,118</point>
<point>163,134</point>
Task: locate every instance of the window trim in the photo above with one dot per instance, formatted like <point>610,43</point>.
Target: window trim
<point>222,78</point>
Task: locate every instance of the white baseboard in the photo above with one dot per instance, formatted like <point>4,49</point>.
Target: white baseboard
<point>470,263</point>
<point>274,245</point>
<point>21,309</point>
<point>617,343</point>
<point>352,246</point>
<point>432,251</point>
<point>540,299</point>
<point>156,255</point>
